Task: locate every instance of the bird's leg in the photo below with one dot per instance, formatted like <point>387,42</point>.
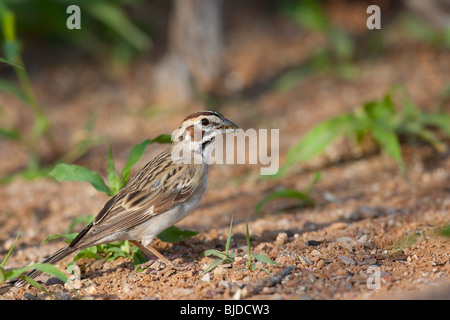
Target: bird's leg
<point>149,250</point>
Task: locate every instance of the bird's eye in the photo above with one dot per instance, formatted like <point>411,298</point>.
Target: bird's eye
<point>205,122</point>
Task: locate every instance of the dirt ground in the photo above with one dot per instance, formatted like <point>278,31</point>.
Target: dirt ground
<point>369,224</point>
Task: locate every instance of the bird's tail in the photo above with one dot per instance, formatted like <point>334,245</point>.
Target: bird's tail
<point>54,258</point>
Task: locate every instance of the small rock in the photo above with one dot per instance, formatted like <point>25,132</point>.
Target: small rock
<point>347,260</point>
<point>344,239</point>
<point>61,295</point>
<point>304,261</point>
<point>313,243</point>
<point>281,239</point>
<point>337,226</point>
<point>225,284</point>
<point>206,277</point>
<point>91,290</point>
<point>363,212</point>
<point>29,296</point>
<point>182,291</point>
<point>320,264</point>
<point>74,282</point>
<point>239,275</point>
<point>97,264</point>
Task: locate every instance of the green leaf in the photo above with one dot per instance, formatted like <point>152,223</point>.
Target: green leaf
<point>264,259</point>
<point>36,284</point>
<point>163,138</point>
<point>84,219</point>
<point>113,17</point>
<point>9,252</point>
<point>287,193</point>
<point>136,154</point>
<point>68,237</point>
<point>14,90</point>
<point>249,247</point>
<point>441,120</point>
<point>113,178</point>
<point>72,172</point>
<point>227,245</point>
<point>213,265</point>
<point>43,267</point>
<point>310,14</point>
<point>218,254</point>
<point>90,252</point>
<point>12,134</point>
<point>173,234</point>
<point>319,138</point>
<point>15,65</point>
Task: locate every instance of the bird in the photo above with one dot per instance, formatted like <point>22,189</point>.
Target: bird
<point>166,190</point>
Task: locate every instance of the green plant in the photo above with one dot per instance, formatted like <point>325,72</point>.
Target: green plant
<point>304,197</point>
<point>379,120</point>
<point>223,257</point>
<point>20,272</point>
<point>41,126</point>
<point>260,257</point>
<point>421,31</point>
<point>111,251</point>
<point>335,55</point>
<point>229,257</point>
<point>107,30</point>
<point>32,140</point>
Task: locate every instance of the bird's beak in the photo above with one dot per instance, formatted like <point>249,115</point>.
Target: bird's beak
<point>227,126</point>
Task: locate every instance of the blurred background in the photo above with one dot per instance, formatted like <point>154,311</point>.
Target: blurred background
<point>137,67</point>
<point>363,119</point>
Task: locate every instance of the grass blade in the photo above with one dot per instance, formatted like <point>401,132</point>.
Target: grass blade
<point>264,259</point>
<point>173,234</point>
<point>113,178</point>
<point>227,245</point>
<point>213,265</point>
<point>9,252</point>
<point>136,154</point>
<point>287,193</point>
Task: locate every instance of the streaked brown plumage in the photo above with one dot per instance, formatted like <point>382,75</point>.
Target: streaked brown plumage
<point>162,193</point>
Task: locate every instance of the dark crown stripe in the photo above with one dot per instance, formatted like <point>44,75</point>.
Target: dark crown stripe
<point>202,113</point>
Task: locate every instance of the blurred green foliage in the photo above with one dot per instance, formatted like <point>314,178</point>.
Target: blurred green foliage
<point>336,55</point>
<point>106,28</point>
<point>380,120</point>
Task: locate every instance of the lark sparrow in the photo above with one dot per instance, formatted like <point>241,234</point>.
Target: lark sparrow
<point>163,192</point>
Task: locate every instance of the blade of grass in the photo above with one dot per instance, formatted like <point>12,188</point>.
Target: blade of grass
<point>9,252</point>
<point>227,245</point>
<point>213,265</point>
<point>287,193</point>
<point>113,178</point>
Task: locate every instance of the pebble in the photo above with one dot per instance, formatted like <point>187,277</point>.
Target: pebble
<point>281,238</point>
<point>182,291</point>
<point>337,226</point>
<point>344,239</point>
<point>206,277</point>
<point>320,264</point>
<point>225,284</point>
<point>347,260</point>
<point>97,264</point>
<point>313,243</point>
<point>363,212</point>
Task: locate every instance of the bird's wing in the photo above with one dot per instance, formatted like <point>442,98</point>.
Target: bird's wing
<point>160,185</point>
